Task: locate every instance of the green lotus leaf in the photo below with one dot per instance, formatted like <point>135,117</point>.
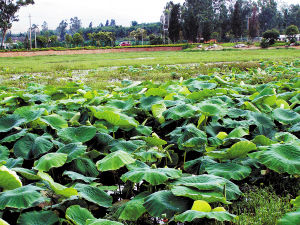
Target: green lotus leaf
<point>20,198</point>
<point>238,133</point>
<point>29,113</point>
<point>286,116</point>
<point>50,160</point>
<point>210,183</point>
<point>38,218</point>
<point>199,85</point>
<point>147,102</point>
<point>14,137</point>
<point>229,170</point>
<point>2,222</point>
<point>123,105</point>
<point>102,222</point>
<point>295,128</point>
<point>296,202</point>
<point>156,92</point>
<point>77,134</point>
<point>195,194</point>
<point>211,109</point>
<point>28,174</point>
<point>32,146</point>
<point>56,187</point>
<point>262,141</point>
<point>285,137</point>
<point>9,122</point>
<point>55,121</point>
<point>164,202</point>
<point>78,215</point>
<point>153,141</point>
<point>94,194</point>
<point>280,158</point>
<point>133,209</point>
<point>86,167</point>
<point>191,215</point>
<point>73,150</point>
<point>197,166</point>
<point>11,162</point>
<point>265,96</point>
<point>151,155</point>
<point>4,153</point>
<point>158,110</point>
<point>114,161</point>
<point>291,218</point>
<point>152,176</point>
<point>9,180</point>
<point>180,112</point>
<point>240,149</point>
<point>78,176</point>
<point>201,95</point>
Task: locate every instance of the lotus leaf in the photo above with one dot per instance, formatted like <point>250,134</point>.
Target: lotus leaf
<point>73,150</point>
<point>77,134</point>
<point>50,160</point>
<point>101,222</point>
<point>14,137</point>
<point>28,174</point>
<point>291,218</point>
<point>229,170</point>
<point>78,215</point>
<point>55,121</point>
<point>180,112</point>
<point>286,116</point>
<point>29,113</point>
<point>78,176</point>
<point>38,218</point>
<point>191,215</point>
<point>4,153</point>
<point>2,222</point>
<point>86,166</point>
<point>9,122</point>
<point>114,161</point>
<point>158,110</point>
<point>9,180</point>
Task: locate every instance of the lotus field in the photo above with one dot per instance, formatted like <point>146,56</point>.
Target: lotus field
<point>178,152</point>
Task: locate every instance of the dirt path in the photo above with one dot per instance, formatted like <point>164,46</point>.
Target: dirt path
<point>94,51</point>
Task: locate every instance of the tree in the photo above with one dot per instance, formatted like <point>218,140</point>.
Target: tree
<point>236,21</point>
<point>91,25</point>
<point>68,39</point>
<point>62,29</point>
<point>53,40</point>
<point>271,36</point>
<point>8,10</point>
<point>44,26</point>
<point>107,23</point>
<point>134,23</point>
<point>254,23</point>
<point>78,39</point>
<point>291,32</point>
<point>75,24</point>
<point>174,26</point>
<point>138,34</point>
<point>112,23</point>
<point>268,14</point>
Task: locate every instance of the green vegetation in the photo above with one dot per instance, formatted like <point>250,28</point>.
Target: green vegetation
<point>146,152</point>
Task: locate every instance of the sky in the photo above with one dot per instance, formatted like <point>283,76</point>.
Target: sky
<point>96,11</point>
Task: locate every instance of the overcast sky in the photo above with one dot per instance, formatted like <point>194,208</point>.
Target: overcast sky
<point>97,11</point>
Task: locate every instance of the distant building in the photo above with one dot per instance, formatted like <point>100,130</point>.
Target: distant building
<point>284,37</point>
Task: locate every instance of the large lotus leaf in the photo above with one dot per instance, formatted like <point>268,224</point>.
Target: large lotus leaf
<point>102,222</point>
<point>2,222</point>
<point>158,110</point>
<point>291,218</point>
<point>11,162</point>
<point>240,149</point>
<point>20,198</point>
<point>210,183</point>
<point>38,218</point>
<point>199,85</point>
<point>119,104</point>
<point>156,92</point>
<point>9,122</point>
<point>180,112</point>
<point>77,134</point>
<point>133,209</point>
<point>32,146</point>
<point>153,141</point>
<point>280,158</point>
<point>14,137</point>
<point>29,113</point>
<point>73,150</point>
<point>195,194</point>
<point>211,109</point>
<point>262,140</point>
<point>296,202</point>
<point>56,187</point>
<point>197,166</point>
<point>85,166</point>
<point>114,161</point>
<point>164,202</point>
<point>9,180</point>
<point>94,194</point>
<point>286,116</point>
<point>78,176</point>
<point>151,155</point>
<point>126,146</point>
<point>28,174</point>
<point>78,215</point>
<point>55,121</point>
<point>4,153</point>
<point>152,176</point>
<point>147,102</point>
<point>295,128</point>
<point>191,215</point>
<point>285,137</point>
<point>267,96</point>
<point>50,160</point>
<point>229,170</point>
<point>238,132</point>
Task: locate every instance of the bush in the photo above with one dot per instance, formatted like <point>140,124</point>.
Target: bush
<point>264,43</point>
<point>291,32</point>
<point>271,36</point>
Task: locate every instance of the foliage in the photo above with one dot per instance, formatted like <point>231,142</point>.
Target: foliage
<point>271,36</point>
<point>291,32</point>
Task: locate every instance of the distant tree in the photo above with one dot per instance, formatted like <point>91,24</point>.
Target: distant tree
<point>75,24</point>
<point>138,34</point>
<point>42,41</point>
<point>68,39</point>
<point>107,23</point>
<point>134,23</point>
<point>206,32</point>
<point>268,14</point>
<point>101,25</point>
<point>53,40</point>
<point>155,40</point>
<point>254,23</point>
<point>8,10</point>
<point>44,26</point>
<point>62,29</point>
<point>271,36</point>
<point>174,24</point>
<point>223,21</point>
<point>78,39</point>
<point>91,25</point>
<point>291,32</point>
<point>236,21</point>
<point>112,23</point>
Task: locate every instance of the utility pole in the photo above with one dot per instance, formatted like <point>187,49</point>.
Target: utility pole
<point>30,31</point>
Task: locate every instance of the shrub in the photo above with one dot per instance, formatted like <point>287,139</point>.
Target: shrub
<point>271,36</point>
<point>264,43</point>
<point>291,32</point>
